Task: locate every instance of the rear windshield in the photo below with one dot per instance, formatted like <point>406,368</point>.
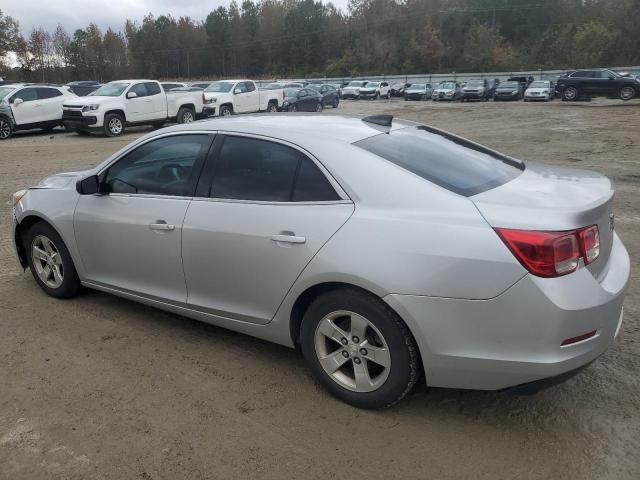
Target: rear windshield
<point>444,159</point>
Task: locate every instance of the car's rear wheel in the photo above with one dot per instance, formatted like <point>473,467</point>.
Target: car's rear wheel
<point>272,107</point>
<point>50,262</point>
<point>6,130</point>
<point>627,93</point>
<point>570,94</point>
<point>359,349</point>
<point>113,125</point>
<point>336,103</point>
<point>293,108</point>
<point>186,115</point>
<point>319,107</point>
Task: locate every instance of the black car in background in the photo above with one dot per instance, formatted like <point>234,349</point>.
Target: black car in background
<point>597,83</point>
<point>523,81</point>
<point>398,89</point>
<point>509,90</point>
<point>330,94</point>
<point>302,100</point>
<point>82,88</point>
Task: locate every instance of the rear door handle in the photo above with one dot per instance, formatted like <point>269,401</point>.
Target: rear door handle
<point>288,239</point>
<point>161,225</point>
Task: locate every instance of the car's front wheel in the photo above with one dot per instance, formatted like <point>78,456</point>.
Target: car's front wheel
<point>627,93</point>
<point>359,349</point>
<point>319,107</point>
<point>113,125</point>
<point>50,262</point>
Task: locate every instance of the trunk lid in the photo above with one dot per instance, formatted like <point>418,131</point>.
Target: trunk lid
<point>553,198</point>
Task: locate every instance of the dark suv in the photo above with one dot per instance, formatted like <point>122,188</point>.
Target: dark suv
<point>597,83</point>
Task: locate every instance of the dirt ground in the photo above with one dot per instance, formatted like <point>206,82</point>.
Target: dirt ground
<point>103,388</point>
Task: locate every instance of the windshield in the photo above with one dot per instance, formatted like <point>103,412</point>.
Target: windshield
<point>418,86</point>
<point>356,84</point>
<point>539,84</point>
<point>373,84</point>
<point>450,85</point>
<point>475,83</point>
<point>219,87</point>
<point>5,91</point>
<point>509,85</point>
<point>444,159</point>
<point>110,90</point>
<point>291,92</point>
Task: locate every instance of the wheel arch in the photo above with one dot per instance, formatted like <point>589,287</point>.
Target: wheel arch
<point>190,106</point>
<point>227,104</point>
<point>115,110</point>
<point>20,231</point>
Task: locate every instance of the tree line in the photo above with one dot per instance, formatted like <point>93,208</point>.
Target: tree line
<point>295,38</point>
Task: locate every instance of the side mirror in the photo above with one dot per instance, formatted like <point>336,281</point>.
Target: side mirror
<point>17,101</point>
<point>237,91</point>
<point>132,94</point>
<point>88,186</point>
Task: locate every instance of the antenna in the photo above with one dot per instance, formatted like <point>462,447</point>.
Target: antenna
<point>381,120</point>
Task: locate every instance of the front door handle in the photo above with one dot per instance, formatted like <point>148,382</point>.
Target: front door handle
<point>288,239</point>
<point>161,225</point>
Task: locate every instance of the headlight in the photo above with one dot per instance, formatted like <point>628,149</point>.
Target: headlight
<point>545,91</point>
<point>514,92</point>
<point>90,108</point>
<point>16,197</point>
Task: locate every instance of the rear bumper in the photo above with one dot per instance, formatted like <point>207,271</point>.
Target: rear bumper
<point>209,110</point>
<point>515,338</point>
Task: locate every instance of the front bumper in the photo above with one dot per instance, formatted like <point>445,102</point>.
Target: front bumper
<point>506,96</point>
<point>368,94</point>
<point>209,110</point>
<point>350,96</point>
<point>80,122</point>
<point>515,338</point>
<point>415,96</point>
<point>539,97</point>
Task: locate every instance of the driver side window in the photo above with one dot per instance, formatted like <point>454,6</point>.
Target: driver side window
<point>139,89</point>
<point>159,167</point>
<point>26,94</point>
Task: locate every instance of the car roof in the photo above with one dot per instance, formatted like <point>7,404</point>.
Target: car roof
<point>294,128</point>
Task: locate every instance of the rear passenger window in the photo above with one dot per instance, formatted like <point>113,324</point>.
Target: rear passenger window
<point>259,170</point>
<point>44,93</point>
<point>312,185</point>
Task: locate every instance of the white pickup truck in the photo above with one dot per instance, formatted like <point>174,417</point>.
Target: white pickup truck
<point>227,97</point>
<point>118,104</point>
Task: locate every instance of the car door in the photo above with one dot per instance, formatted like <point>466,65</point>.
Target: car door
<point>604,83</point>
<point>51,100</point>
<point>28,109</point>
<point>129,236</point>
<point>139,107</point>
<point>240,100</point>
<point>158,101</point>
<point>253,98</point>
<point>262,210</point>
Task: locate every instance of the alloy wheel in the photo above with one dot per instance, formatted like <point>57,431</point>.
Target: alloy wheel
<point>5,129</point>
<point>352,351</point>
<point>570,93</point>
<point>115,126</point>
<point>187,117</point>
<point>627,93</point>
<point>47,261</point>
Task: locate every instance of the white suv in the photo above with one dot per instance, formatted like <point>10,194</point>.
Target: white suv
<point>376,90</point>
<point>29,106</point>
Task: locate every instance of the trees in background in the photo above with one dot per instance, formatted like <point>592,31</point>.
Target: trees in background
<point>278,38</point>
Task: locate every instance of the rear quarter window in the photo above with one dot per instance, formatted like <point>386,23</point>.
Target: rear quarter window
<point>444,159</point>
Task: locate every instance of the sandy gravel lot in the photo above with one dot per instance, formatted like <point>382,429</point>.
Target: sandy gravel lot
<point>103,388</point>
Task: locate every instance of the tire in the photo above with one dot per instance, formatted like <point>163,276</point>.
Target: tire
<point>225,111</point>
<point>384,386</point>
<point>627,93</point>
<point>65,283</point>
<point>336,103</point>
<point>570,94</point>
<point>272,107</point>
<point>293,108</point>
<point>186,115</point>
<point>113,125</point>
<point>6,129</point>
<point>377,97</point>
<point>319,107</point>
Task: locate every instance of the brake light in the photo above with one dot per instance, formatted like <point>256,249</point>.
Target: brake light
<point>204,100</point>
<point>552,254</point>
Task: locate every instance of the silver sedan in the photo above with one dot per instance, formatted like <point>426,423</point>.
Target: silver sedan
<point>386,250</point>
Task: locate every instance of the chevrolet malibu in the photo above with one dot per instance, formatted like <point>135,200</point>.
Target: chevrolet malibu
<point>387,251</point>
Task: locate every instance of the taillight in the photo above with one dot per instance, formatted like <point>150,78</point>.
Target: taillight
<point>589,243</point>
<point>204,100</point>
<point>552,254</point>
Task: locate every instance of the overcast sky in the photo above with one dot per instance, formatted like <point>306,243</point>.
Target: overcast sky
<point>73,14</point>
